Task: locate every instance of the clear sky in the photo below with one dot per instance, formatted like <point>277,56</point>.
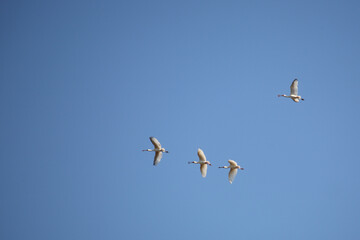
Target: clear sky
<point>83,84</point>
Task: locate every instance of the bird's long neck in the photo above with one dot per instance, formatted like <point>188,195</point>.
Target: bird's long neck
<point>224,167</point>
<point>149,150</point>
<point>194,162</point>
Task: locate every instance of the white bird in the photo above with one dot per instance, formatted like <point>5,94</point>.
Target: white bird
<point>202,161</point>
<point>157,149</point>
<point>233,170</point>
<point>293,92</point>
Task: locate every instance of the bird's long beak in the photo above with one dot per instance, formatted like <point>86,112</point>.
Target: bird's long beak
<point>242,168</point>
<point>167,151</point>
<point>302,99</point>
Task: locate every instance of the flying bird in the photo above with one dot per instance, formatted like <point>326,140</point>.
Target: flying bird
<point>293,92</point>
<point>202,161</point>
<point>157,149</point>
<point>233,170</point>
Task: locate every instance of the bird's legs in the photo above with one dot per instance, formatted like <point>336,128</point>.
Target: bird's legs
<point>163,150</point>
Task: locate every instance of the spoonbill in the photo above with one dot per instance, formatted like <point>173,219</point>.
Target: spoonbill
<point>202,161</point>
<point>293,92</point>
<point>233,169</point>
<point>157,149</point>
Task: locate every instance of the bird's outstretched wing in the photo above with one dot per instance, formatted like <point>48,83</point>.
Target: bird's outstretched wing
<point>232,163</point>
<point>294,87</point>
<point>155,142</point>
<point>232,174</point>
<point>203,170</point>
<point>201,155</point>
<point>157,158</point>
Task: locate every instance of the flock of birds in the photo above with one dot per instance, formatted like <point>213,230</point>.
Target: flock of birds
<point>202,159</point>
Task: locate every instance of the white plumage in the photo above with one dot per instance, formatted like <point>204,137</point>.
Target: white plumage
<point>157,149</point>
<point>293,92</point>
<point>203,162</point>
<point>233,170</point>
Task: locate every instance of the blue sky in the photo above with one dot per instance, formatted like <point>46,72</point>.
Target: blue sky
<point>85,83</point>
